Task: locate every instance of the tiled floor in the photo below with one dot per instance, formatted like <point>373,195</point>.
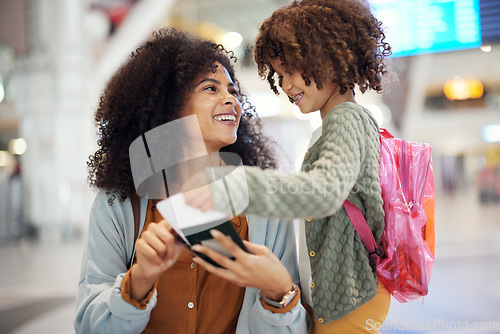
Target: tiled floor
<point>38,279</point>
<point>38,284</point>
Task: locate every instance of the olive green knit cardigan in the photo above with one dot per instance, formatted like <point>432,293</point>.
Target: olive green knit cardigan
<point>342,163</point>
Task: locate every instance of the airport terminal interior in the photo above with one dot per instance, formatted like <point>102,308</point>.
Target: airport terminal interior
<point>443,88</point>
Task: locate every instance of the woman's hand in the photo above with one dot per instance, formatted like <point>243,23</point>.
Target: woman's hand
<point>156,251</point>
<point>259,269</point>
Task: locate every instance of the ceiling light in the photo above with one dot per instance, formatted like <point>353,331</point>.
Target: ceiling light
<point>18,146</point>
<point>485,48</point>
<point>232,40</point>
<point>4,158</point>
<point>491,133</point>
<point>460,89</point>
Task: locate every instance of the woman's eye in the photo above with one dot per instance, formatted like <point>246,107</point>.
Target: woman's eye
<point>233,92</point>
<point>290,72</point>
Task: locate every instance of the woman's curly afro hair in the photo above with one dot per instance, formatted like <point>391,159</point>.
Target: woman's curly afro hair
<point>327,40</point>
<point>149,90</point>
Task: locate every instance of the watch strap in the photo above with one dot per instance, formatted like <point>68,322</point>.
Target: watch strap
<point>289,300</point>
<point>271,302</point>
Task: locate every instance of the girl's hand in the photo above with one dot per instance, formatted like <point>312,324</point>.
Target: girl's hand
<point>156,251</point>
<point>259,269</point>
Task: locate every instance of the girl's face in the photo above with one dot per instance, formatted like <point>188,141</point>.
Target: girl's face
<point>307,98</point>
<point>215,104</point>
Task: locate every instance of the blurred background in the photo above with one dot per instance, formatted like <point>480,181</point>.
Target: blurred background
<point>56,56</point>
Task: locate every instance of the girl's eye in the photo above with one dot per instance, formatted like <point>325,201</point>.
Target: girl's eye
<point>211,88</point>
<point>233,92</point>
<point>290,72</point>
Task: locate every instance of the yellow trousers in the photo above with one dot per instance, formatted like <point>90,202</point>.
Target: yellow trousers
<point>368,318</point>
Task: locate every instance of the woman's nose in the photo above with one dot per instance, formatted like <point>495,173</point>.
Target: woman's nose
<point>229,99</point>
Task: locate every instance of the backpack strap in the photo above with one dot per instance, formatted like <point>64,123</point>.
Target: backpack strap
<point>384,133</point>
<point>363,230</point>
<point>136,209</point>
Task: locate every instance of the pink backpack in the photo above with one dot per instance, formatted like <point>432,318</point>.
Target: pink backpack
<point>407,181</point>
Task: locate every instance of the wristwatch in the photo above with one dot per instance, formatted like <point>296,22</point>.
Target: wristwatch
<point>287,298</point>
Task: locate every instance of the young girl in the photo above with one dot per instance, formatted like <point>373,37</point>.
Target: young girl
<point>177,75</point>
<point>320,50</point>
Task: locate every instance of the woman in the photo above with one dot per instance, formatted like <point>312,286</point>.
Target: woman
<point>173,76</point>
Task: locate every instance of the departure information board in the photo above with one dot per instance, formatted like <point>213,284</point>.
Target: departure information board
<point>426,26</point>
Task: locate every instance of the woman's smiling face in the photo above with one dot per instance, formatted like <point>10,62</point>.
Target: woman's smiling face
<point>214,101</point>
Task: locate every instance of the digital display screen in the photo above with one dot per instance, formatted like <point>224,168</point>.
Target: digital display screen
<point>415,27</point>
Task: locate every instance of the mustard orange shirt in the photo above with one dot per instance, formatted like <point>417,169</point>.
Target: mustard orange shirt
<point>190,299</point>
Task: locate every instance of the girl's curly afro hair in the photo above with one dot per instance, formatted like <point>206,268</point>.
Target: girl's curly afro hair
<point>327,40</point>
<point>149,90</point>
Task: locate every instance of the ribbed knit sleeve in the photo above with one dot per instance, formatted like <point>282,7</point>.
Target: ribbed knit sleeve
<point>319,190</point>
